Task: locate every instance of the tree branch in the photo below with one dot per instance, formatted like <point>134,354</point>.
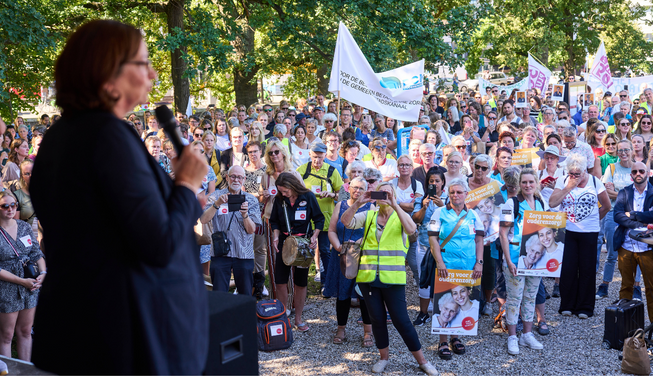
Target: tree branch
<point>98,6</point>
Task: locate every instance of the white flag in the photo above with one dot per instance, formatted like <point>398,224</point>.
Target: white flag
<point>601,69</point>
<point>396,93</point>
<point>538,75</point>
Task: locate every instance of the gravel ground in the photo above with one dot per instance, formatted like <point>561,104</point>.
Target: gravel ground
<point>572,347</point>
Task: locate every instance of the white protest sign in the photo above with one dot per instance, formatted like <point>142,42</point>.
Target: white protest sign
<point>521,86</point>
<point>396,93</point>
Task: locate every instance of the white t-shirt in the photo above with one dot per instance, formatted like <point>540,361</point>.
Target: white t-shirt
<point>299,156</point>
<point>555,255</point>
<point>388,168</point>
<point>546,191</point>
<point>581,205</point>
<point>621,178</point>
<point>472,312</point>
<point>407,195</point>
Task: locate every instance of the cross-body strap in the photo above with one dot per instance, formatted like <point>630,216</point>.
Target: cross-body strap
<point>7,239</point>
<point>453,232</point>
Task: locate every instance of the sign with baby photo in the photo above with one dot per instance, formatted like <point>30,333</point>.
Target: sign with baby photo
<point>487,201</point>
<point>542,244</point>
<point>456,302</point>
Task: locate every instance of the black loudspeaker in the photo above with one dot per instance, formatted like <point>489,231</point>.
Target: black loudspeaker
<point>233,348</point>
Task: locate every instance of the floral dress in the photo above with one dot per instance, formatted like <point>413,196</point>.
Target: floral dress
<point>14,297</point>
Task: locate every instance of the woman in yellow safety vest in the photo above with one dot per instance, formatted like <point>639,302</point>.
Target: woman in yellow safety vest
<point>382,271</point>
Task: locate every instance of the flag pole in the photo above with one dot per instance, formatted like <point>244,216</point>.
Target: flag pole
<point>338,119</point>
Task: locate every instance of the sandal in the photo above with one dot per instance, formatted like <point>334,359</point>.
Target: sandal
<point>339,340</point>
<point>303,327</point>
<point>443,352</point>
<point>368,339</point>
<point>543,328</point>
<point>457,345</point>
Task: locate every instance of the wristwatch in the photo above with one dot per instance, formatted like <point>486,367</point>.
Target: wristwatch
<point>215,207</point>
<point>480,262</point>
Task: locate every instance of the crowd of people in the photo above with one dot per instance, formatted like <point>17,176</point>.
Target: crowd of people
<point>320,174</point>
<point>307,171</point>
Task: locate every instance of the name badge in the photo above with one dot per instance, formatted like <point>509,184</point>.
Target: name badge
<point>223,209</point>
<point>26,240</point>
<point>300,215</point>
<point>272,190</point>
<point>328,187</point>
<point>472,230</point>
<point>258,179</point>
<point>316,189</point>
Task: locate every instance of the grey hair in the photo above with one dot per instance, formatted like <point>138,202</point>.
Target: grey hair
<point>280,128</point>
<point>547,108</point>
<point>372,173</point>
<point>354,164</point>
<point>359,179</point>
<point>484,158</point>
<point>426,118</point>
<point>625,103</point>
<point>454,114</point>
<point>459,182</point>
<point>550,126</point>
<point>457,138</point>
<point>329,116</point>
<point>405,156</point>
<point>231,169</point>
<point>576,161</point>
<point>428,146</point>
<point>445,299</point>
<point>563,123</point>
<point>511,175</point>
<point>569,131</point>
<point>454,154</point>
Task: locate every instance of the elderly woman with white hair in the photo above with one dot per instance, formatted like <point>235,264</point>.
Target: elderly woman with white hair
<point>480,171</point>
<point>373,178</point>
<point>464,248</point>
<point>336,282</point>
<point>329,123</point>
<point>382,271</point>
<point>521,290</point>
<point>579,195</point>
<point>353,170</point>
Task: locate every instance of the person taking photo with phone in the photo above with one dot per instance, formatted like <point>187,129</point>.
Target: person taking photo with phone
<point>239,227</point>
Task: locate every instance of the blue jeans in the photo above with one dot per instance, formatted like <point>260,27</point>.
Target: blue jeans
<point>221,268</point>
<point>324,245</point>
<point>609,227</point>
<point>411,257</point>
<point>599,243</point>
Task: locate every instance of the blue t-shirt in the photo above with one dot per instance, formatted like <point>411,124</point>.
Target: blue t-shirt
<point>611,121</point>
<point>387,134</point>
<point>337,164</point>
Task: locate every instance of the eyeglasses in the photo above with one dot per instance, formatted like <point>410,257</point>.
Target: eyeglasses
<point>236,177</point>
<point>511,187</point>
<point>427,154</point>
<point>275,152</point>
<point>600,131</point>
<point>405,165</point>
<point>453,162</point>
<point>27,174</point>
<point>258,110</point>
<point>482,168</point>
<point>370,181</point>
<point>8,206</point>
<point>351,143</point>
<point>622,151</point>
<point>147,63</point>
<point>461,147</point>
<point>641,172</point>
<point>645,123</point>
<point>332,142</point>
<point>492,118</point>
<point>253,151</point>
<point>574,174</point>
<point>356,188</point>
<point>207,128</point>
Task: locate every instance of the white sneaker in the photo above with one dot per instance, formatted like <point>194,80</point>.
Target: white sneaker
<point>487,310</point>
<point>379,367</point>
<point>528,340</point>
<point>317,277</point>
<point>265,291</point>
<point>582,316</point>
<point>566,313</point>
<point>429,369</point>
<point>513,345</point>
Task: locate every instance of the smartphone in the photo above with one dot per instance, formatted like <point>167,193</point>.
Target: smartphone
<point>547,179</point>
<point>378,195</point>
<point>235,201</point>
<point>432,191</point>
<point>626,87</point>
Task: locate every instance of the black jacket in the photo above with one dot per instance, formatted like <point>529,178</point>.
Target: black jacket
<point>624,204</point>
<point>124,292</point>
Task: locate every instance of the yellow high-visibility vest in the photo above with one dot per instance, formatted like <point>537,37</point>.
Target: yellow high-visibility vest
<point>387,257</point>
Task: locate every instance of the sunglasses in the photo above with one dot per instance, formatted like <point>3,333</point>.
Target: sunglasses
<point>8,206</point>
<point>626,124</point>
<point>275,152</point>
<point>427,154</point>
<point>610,143</point>
<point>600,131</point>
<point>328,121</point>
<point>380,147</point>
<point>137,123</point>
<point>492,118</point>
<point>482,168</point>
<point>268,110</point>
<point>461,147</point>
<point>645,123</point>
<point>198,134</point>
<point>622,96</point>
<point>284,108</point>
<point>370,181</point>
<point>641,172</point>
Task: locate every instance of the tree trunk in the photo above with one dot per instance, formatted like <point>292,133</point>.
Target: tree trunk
<point>245,85</point>
<point>181,85</point>
<point>323,79</point>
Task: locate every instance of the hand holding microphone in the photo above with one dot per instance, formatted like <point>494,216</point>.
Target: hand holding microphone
<point>189,168</point>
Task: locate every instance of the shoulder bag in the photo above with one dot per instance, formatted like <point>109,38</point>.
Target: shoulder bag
<point>30,269</point>
<point>221,244</point>
<point>350,255</point>
<point>296,249</point>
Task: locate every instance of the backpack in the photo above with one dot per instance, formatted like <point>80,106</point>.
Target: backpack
<point>516,203</point>
<point>308,173</point>
<point>272,326</point>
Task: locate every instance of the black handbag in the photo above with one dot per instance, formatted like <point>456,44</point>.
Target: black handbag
<point>222,245</point>
<point>30,269</point>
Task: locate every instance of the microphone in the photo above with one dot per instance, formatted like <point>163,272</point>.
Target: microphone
<point>169,125</point>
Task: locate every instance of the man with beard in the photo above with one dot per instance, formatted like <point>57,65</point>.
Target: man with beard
<point>239,228</point>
